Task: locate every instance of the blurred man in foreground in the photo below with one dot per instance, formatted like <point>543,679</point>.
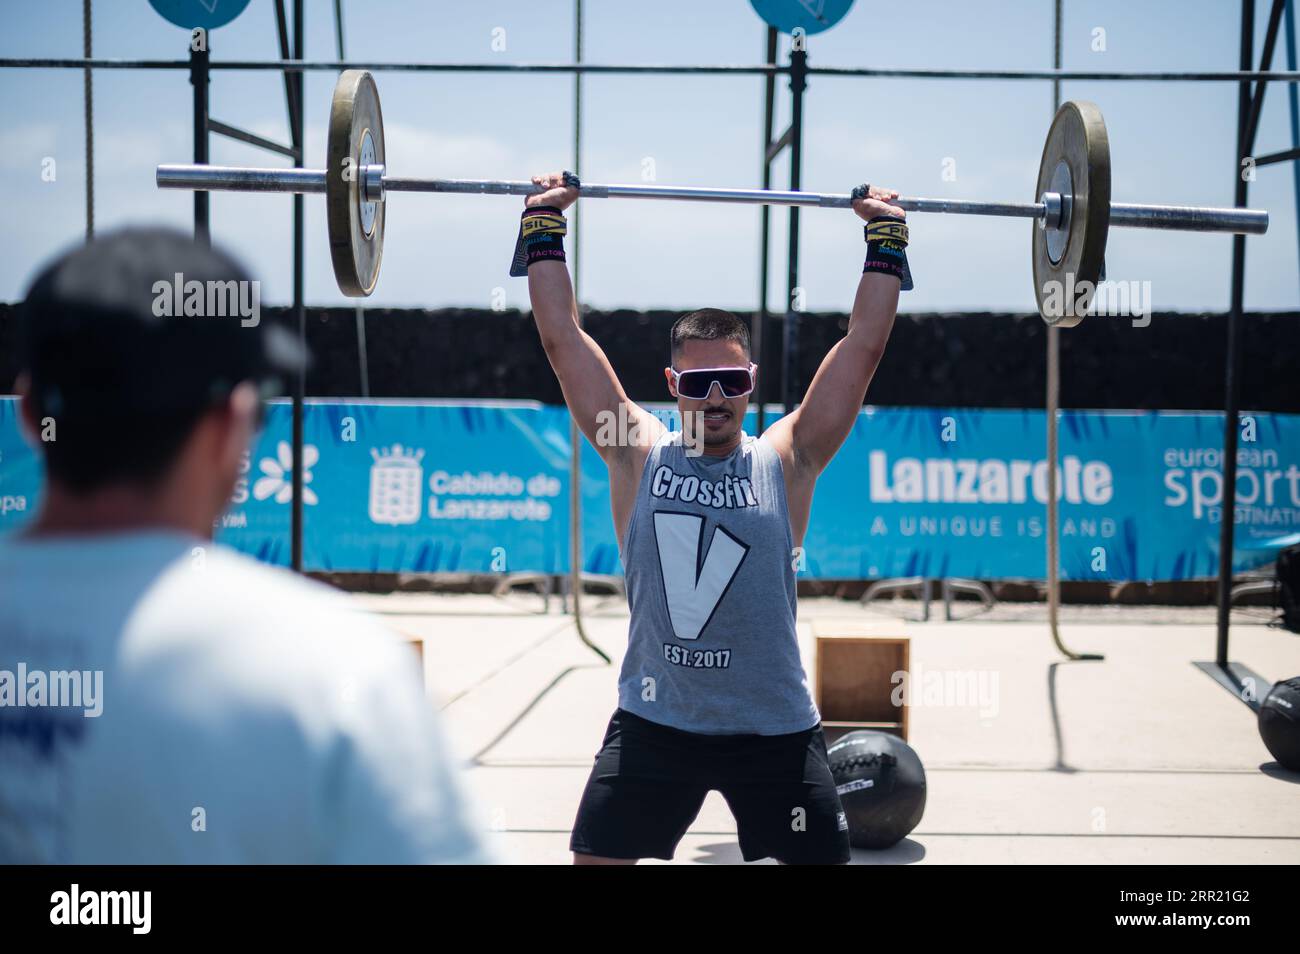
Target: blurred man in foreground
<point>164,699</point>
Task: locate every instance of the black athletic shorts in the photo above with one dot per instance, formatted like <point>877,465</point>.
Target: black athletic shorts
<point>650,780</point>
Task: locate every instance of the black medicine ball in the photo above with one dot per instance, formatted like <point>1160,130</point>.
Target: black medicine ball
<point>881,784</point>
<point>1279,723</point>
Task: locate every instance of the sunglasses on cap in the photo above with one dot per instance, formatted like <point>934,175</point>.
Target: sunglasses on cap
<point>696,384</point>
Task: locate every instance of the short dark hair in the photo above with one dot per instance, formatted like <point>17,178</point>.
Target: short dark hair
<point>124,384</point>
<point>708,324</point>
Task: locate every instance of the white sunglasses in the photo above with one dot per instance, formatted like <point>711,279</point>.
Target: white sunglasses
<point>697,383</point>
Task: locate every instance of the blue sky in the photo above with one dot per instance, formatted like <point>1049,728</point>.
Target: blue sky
<point>1170,143</point>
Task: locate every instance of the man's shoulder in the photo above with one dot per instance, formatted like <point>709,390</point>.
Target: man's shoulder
<point>223,609</point>
<point>222,581</point>
<point>221,567</point>
<point>777,441</point>
<point>769,442</point>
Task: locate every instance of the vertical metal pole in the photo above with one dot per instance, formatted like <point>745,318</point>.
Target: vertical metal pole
<point>1052,404</point>
<point>88,92</point>
<point>759,322</point>
<point>575,435</point>
<point>363,362</point>
<point>300,313</point>
<point>1053,401</point>
<point>199,79</point>
<point>576,211</point>
<point>282,36</point>
<point>1232,362</point>
<point>1293,98</point>
<point>790,328</point>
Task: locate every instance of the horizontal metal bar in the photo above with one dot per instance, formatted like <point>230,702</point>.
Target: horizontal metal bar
<point>1284,156</point>
<point>300,66</point>
<point>1131,76</point>
<point>234,132</point>
<point>297,66</point>
<point>1127,215</point>
<point>238,179</point>
<point>705,194</point>
<point>1186,218</point>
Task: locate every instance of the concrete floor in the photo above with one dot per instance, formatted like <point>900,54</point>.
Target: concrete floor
<point>1140,758</point>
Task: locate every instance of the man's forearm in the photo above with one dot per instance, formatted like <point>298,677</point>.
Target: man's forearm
<point>874,307</point>
<point>551,293</point>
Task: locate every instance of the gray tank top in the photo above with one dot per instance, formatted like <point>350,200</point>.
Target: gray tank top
<point>711,588</point>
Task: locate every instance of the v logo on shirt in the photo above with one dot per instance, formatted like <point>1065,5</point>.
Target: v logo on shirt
<point>693,591</point>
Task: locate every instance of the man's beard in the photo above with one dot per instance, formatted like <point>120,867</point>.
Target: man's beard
<point>706,436</point>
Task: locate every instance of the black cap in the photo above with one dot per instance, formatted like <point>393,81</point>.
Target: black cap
<point>146,320</point>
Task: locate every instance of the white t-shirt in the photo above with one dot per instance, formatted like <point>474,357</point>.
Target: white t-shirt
<point>224,712</point>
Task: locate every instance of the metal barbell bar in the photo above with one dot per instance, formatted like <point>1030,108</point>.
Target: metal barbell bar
<point>1182,218</point>
<point>1073,210</point>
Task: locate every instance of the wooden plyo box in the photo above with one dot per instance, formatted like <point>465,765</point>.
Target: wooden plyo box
<point>856,664</point>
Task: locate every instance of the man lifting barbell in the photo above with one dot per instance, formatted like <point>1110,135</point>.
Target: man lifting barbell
<point>704,702</point>
<point>712,694</point>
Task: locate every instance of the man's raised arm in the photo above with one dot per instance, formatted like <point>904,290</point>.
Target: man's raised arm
<point>591,389</point>
<point>810,435</point>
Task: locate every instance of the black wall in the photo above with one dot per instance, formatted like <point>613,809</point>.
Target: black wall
<point>974,360</point>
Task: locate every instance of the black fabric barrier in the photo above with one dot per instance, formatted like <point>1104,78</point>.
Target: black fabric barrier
<point>961,360</point>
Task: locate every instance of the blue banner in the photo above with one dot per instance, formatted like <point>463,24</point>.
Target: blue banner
<point>484,488</point>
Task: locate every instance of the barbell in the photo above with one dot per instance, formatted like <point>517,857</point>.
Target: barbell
<point>1073,212</point>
